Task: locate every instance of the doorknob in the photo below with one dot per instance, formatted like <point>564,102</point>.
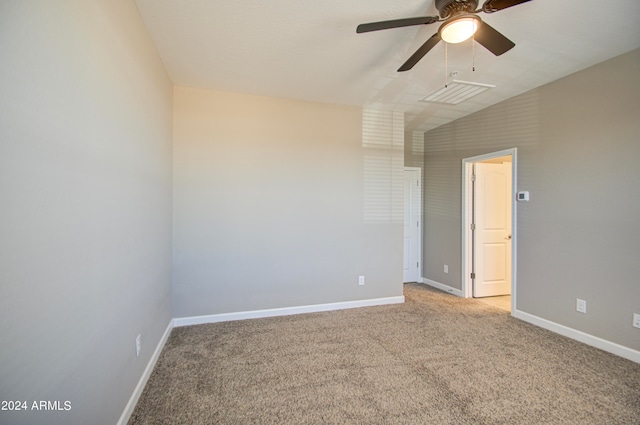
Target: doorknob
<point>508,237</point>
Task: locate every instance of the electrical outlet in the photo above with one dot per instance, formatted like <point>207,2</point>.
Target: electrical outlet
<point>446,268</point>
<point>581,306</point>
<point>138,345</point>
<point>360,280</point>
<point>636,320</point>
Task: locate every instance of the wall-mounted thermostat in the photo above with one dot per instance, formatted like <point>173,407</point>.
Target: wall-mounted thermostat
<point>523,196</point>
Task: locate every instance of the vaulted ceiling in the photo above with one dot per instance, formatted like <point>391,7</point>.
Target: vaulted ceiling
<point>309,50</point>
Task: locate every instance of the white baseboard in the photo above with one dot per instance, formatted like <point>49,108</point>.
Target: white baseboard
<point>258,314</point>
<point>133,400</point>
<point>441,286</point>
<point>594,341</point>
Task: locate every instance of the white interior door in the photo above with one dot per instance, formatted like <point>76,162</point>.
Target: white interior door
<point>411,225</point>
<point>492,241</point>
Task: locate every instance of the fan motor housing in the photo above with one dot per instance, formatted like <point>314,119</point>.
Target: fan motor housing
<point>448,8</point>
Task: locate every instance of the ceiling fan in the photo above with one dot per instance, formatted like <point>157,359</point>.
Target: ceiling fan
<point>461,22</point>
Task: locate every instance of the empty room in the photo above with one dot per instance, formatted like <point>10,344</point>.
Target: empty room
<point>299,212</point>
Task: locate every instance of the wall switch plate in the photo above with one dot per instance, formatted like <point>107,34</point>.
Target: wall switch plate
<point>360,280</point>
<point>446,268</point>
<point>581,306</point>
<point>636,320</point>
<point>138,345</point>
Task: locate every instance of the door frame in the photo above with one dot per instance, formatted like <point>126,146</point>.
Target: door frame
<point>467,202</point>
<point>419,214</point>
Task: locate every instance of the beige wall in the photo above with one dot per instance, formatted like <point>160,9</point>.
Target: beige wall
<point>414,149</point>
<point>578,155</point>
<point>85,206</point>
<point>269,205</point>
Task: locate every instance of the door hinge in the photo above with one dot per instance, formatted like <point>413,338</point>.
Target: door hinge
<point>473,275</point>
<point>473,226</point>
<point>418,265</point>
<point>417,224</point>
<point>473,177</point>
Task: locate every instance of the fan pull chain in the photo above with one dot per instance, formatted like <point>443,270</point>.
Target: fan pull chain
<point>473,52</point>
<point>446,64</point>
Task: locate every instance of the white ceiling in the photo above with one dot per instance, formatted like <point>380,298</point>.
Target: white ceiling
<point>309,49</point>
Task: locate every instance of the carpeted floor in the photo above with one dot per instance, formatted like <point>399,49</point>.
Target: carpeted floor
<point>437,359</point>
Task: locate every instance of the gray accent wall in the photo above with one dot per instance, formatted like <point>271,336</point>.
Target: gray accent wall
<point>280,203</point>
<point>85,207</point>
<point>578,142</point>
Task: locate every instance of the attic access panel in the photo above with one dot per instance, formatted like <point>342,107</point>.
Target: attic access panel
<point>457,91</point>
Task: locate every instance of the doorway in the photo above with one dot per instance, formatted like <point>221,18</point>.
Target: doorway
<point>412,271</point>
<point>488,227</point>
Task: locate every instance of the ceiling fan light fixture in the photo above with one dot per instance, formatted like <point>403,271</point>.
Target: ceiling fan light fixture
<point>459,29</point>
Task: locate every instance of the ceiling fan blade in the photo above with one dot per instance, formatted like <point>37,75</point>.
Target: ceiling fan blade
<point>493,40</point>
<point>491,6</point>
<point>419,54</point>
<point>396,23</point>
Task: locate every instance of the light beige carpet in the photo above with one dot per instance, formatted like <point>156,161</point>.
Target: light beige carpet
<point>437,359</point>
